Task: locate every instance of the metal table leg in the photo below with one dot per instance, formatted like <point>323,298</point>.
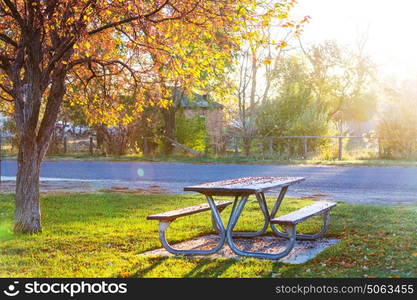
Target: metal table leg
<point>218,223</point>
<point>264,209</point>
<point>278,202</point>
<point>290,229</point>
<point>214,221</point>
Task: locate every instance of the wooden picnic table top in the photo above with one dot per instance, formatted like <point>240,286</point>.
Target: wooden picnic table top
<point>245,185</point>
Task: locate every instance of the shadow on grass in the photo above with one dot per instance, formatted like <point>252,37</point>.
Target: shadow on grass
<point>154,263</point>
<point>194,267</point>
<point>210,268</point>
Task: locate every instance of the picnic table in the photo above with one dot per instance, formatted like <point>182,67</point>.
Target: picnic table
<point>241,189</point>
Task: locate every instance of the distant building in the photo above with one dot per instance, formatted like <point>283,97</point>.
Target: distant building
<point>196,104</point>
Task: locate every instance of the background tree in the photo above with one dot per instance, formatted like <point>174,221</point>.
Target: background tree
<point>344,82</point>
<point>293,110</point>
<point>265,38</point>
<point>397,126</point>
<point>317,91</point>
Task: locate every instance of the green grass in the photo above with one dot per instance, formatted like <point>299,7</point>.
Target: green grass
<point>236,160</point>
<point>100,235</point>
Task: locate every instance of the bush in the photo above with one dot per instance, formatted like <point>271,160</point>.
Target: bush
<point>398,131</point>
<point>191,131</point>
<point>294,115</point>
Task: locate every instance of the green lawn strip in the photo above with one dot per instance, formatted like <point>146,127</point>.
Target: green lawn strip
<point>235,160</point>
<point>248,160</point>
<point>100,235</point>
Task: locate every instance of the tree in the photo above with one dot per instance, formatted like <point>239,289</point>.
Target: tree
<point>45,44</point>
<point>265,39</point>
<point>397,126</point>
<point>343,82</point>
<point>322,88</point>
<point>294,110</point>
<point>200,61</point>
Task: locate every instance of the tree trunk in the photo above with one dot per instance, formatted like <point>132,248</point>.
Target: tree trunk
<point>27,213</point>
<point>34,139</point>
<point>169,126</point>
<point>247,143</point>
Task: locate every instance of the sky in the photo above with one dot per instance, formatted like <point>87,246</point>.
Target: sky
<point>390,27</point>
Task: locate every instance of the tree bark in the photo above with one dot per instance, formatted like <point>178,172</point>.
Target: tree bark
<point>247,142</point>
<point>34,139</point>
<point>169,126</point>
<point>27,213</point>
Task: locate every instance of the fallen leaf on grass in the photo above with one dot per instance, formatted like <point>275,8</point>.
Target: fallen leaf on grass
<point>124,275</point>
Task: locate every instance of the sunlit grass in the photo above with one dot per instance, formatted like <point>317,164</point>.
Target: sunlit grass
<point>100,235</point>
<point>349,160</point>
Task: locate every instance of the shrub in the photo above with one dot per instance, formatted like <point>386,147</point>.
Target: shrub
<point>191,131</point>
<point>398,131</point>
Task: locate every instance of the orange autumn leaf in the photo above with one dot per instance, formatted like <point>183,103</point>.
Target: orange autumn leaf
<point>124,275</point>
<point>267,61</point>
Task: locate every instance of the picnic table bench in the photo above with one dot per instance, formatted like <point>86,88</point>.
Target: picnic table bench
<point>241,189</point>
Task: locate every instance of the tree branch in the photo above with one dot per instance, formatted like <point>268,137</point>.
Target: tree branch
<point>8,91</point>
<point>15,13</point>
<point>5,99</point>
<point>8,40</point>
<point>103,63</point>
<point>128,20</point>
<point>53,104</point>
<point>66,45</point>
<point>5,64</point>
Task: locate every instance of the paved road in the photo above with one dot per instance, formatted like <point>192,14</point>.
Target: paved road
<point>372,185</point>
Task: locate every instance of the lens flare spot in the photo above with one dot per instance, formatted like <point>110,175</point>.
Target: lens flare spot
<point>141,172</point>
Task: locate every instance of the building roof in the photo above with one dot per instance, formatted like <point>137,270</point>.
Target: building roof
<point>194,100</point>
